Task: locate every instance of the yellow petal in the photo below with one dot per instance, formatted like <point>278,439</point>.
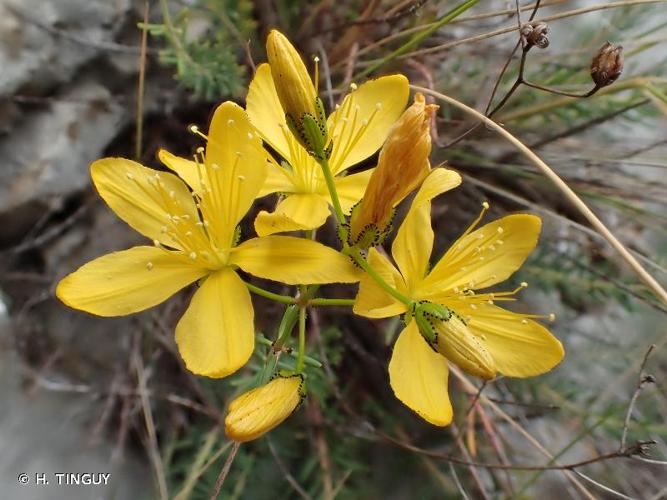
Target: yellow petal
<point>294,213</point>
<point>265,111</point>
<point>216,335</point>
<point>486,256</point>
<point>520,347</point>
<point>140,198</point>
<point>294,261</point>
<point>126,282</point>
<point>361,123</point>
<point>278,180</point>
<point>418,377</point>
<point>414,241</point>
<point>186,169</point>
<point>259,410</point>
<point>351,188</point>
<point>236,164</point>
<point>372,300</point>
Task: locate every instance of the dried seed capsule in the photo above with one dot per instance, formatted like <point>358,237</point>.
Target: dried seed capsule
<point>607,64</point>
<point>536,33</point>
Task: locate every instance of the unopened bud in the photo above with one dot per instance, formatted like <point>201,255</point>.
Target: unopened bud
<point>536,33</point>
<point>402,166</point>
<point>304,110</point>
<point>448,334</point>
<point>259,410</point>
<point>607,64</point>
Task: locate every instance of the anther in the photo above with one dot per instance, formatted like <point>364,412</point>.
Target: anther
<point>230,122</point>
<point>524,284</point>
<point>552,317</point>
<point>353,86</point>
<point>316,59</point>
<point>194,129</point>
<point>485,205</point>
<point>129,176</point>
<point>500,230</point>
<point>149,266</point>
<point>378,106</point>
<point>524,321</point>
<point>241,178</point>
<point>192,255</point>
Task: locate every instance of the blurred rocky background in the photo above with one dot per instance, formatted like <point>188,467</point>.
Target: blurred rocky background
<point>85,394</point>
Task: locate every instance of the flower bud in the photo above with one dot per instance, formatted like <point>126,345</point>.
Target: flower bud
<point>607,64</point>
<point>536,33</point>
<point>304,111</point>
<point>402,166</point>
<point>448,334</point>
<point>259,410</point>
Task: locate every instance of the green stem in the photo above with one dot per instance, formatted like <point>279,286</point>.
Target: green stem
<point>352,251</point>
<point>338,210</point>
<point>286,326</point>
<point>419,37</point>
<point>308,360</point>
<point>302,340</point>
<point>331,302</point>
<point>285,299</point>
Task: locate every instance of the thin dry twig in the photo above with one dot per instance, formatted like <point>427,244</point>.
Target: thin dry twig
<point>138,138</point>
<point>154,451</point>
<point>642,381</point>
<point>288,475</point>
<point>220,481</point>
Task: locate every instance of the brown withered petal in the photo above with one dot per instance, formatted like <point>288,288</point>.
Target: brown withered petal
<point>607,64</point>
<point>402,166</point>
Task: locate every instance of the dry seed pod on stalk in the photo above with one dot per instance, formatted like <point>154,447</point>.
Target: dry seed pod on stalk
<point>536,34</point>
<point>607,64</point>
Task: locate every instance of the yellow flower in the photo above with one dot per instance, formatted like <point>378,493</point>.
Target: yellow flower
<point>357,128</point>
<point>488,337</point>
<point>195,237</point>
<point>304,111</point>
<point>259,410</point>
<point>402,166</point>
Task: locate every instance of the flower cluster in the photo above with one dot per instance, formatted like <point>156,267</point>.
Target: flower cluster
<point>284,142</point>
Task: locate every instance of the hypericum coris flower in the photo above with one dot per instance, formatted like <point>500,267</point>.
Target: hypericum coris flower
<point>402,166</point>
<point>304,110</point>
<point>357,129</point>
<point>195,237</point>
<point>467,328</point>
<point>259,410</point>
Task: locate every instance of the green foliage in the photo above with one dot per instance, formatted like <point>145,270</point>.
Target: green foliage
<point>209,63</point>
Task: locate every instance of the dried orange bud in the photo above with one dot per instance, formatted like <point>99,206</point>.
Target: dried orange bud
<point>259,410</point>
<point>402,166</point>
<point>304,110</point>
<point>607,64</point>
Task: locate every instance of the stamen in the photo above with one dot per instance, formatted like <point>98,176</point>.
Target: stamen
<point>316,79</point>
<point>485,207</point>
<point>194,129</point>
